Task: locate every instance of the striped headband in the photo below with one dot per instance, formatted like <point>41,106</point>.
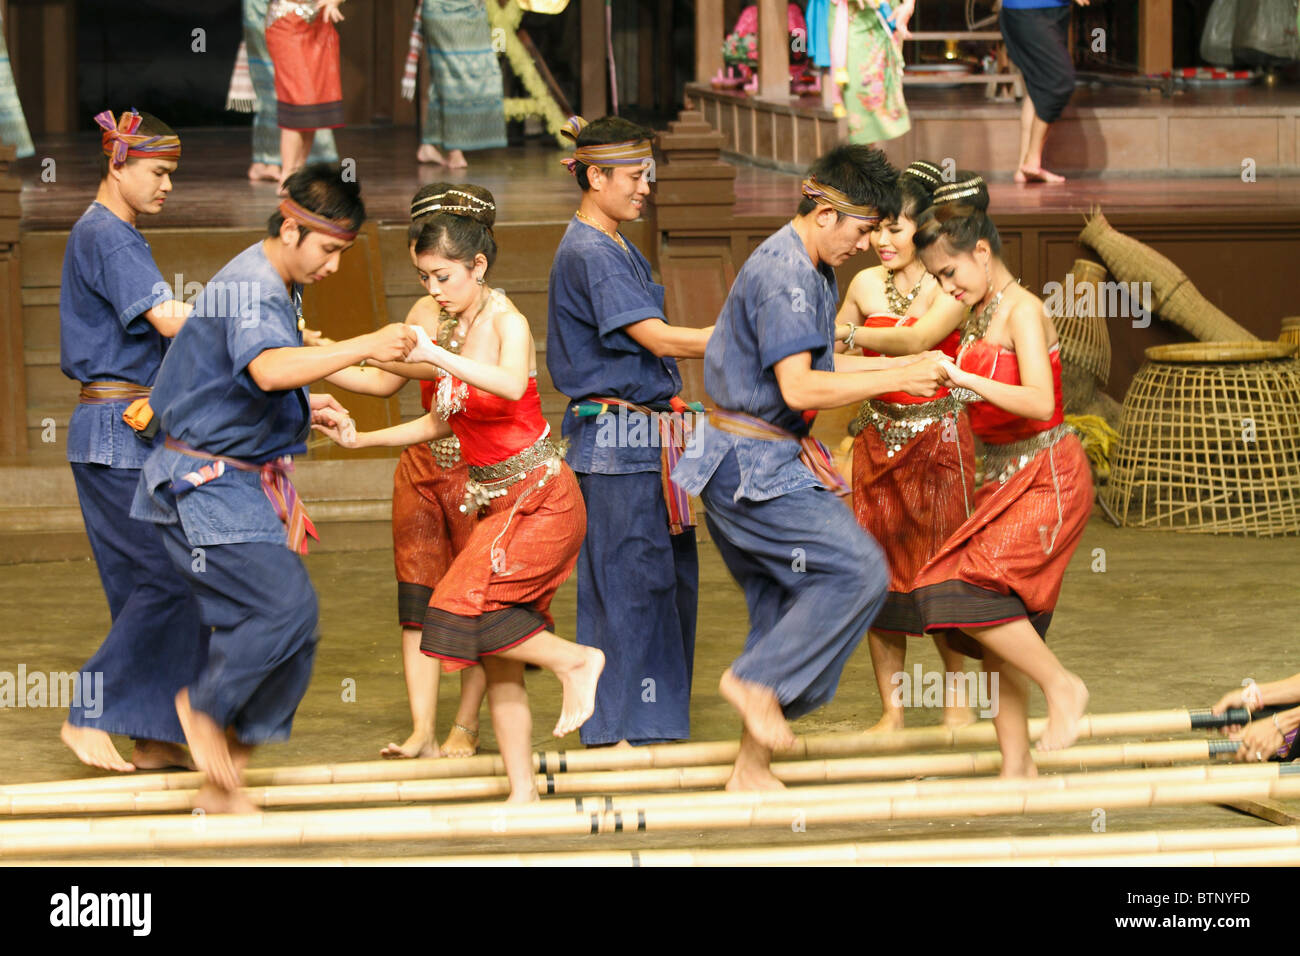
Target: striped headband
<point>951,192</point>
<point>926,172</point>
<point>334,228</point>
<point>427,205</point>
<point>120,139</point>
<point>841,203</point>
<point>633,152</point>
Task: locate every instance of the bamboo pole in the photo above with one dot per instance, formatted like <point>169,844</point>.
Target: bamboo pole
<point>702,753</point>
<point>1158,845</point>
<point>809,806</point>
<point>667,778</point>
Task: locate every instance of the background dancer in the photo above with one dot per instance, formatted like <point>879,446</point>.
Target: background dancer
<point>115,311</point>
<point>767,484</point>
<point>995,581</point>
<point>610,347</point>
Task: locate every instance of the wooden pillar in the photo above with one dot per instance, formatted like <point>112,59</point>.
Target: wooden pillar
<point>594,70</point>
<point>708,39</point>
<point>1155,36</point>
<point>773,51</point>
<point>13,398</point>
<point>645,60</point>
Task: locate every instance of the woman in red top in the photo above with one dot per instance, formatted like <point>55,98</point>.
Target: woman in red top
<point>491,607</point>
<point>997,578</point>
<point>913,458</point>
<point>429,528</point>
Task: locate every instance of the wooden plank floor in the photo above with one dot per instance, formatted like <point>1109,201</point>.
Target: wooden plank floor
<point>531,186</point>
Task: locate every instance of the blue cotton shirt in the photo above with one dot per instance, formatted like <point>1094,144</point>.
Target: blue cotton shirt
<point>109,281</point>
<point>596,291</point>
<point>780,305</point>
<point>206,398</point>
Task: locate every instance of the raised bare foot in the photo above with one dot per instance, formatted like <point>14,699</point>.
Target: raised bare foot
<point>579,685</point>
<point>461,741</point>
<point>1065,705</point>
<point>160,754</point>
<point>93,747</point>
<point>417,745</point>
<point>212,799</point>
<point>456,160</point>
<point>208,744</point>
<point>759,709</point>
<point>429,154</point>
<point>889,720</point>
<point>1036,174</point>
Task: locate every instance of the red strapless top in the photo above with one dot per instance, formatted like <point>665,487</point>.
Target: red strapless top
<point>491,429</point>
<point>948,346</point>
<point>426,394</point>
<point>992,424</point>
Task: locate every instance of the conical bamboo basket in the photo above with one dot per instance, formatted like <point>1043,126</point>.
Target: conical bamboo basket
<point>1085,341</point>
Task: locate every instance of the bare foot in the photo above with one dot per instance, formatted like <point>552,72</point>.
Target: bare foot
<point>456,160</point>
<point>760,710</point>
<point>753,769</point>
<point>1036,174</point>
<point>1065,705</point>
<point>461,741</point>
<point>264,173</point>
<point>579,684</point>
<point>622,745</point>
<point>889,720</point>
<point>416,745</point>
<point>955,718</point>
<point>159,755</point>
<point>212,799</point>
<point>523,796</point>
<point>1020,767</point>
<point>207,743</point>
<point>429,154</point>
<point>93,747</point>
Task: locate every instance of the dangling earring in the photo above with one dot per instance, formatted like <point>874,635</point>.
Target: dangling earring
<point>479,279</point>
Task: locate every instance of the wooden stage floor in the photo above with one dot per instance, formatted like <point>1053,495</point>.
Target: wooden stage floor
<point>531,186</point>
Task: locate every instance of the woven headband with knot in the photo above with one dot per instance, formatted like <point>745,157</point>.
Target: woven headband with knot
<point>632,152</point>
<point>820,192</point>
<point>120,139</point>
<point>453,201</point>
<point>335,228</point>
<point>964,189</point>
<point>926,172</point>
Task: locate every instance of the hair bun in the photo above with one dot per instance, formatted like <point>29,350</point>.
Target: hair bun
<point>477,205</point>
<point>926,173</point>
<point>968,189</point>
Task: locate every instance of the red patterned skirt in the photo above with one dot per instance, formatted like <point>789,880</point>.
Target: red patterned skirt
<point>497,592</point>
<point>429,529</point>
<point>308,88</point>
<point>912,501</point>
<point>1007,560</point>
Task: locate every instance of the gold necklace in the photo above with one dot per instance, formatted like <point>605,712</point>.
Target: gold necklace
<point>899,303</point>
<point>975,328</point>
<point>595,225</point>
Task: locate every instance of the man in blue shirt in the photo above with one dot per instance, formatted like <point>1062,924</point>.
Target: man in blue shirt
<point>609,346</point>
<point>115,316</point>
<point>813,579</point>
<point>233,401</point>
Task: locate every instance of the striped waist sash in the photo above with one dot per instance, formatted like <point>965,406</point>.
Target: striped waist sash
<point>811,451</point>
<point>275,483</point>
<point>104,393</point>
<point>674,433</point>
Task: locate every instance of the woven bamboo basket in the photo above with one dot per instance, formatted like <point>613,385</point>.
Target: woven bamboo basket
<point>1210,441</point>
<point>1291,332</point>
<point>1173,296</point>
<point>1084,339</point>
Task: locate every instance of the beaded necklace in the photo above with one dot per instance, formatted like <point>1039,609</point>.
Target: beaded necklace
<point>899,303</point>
